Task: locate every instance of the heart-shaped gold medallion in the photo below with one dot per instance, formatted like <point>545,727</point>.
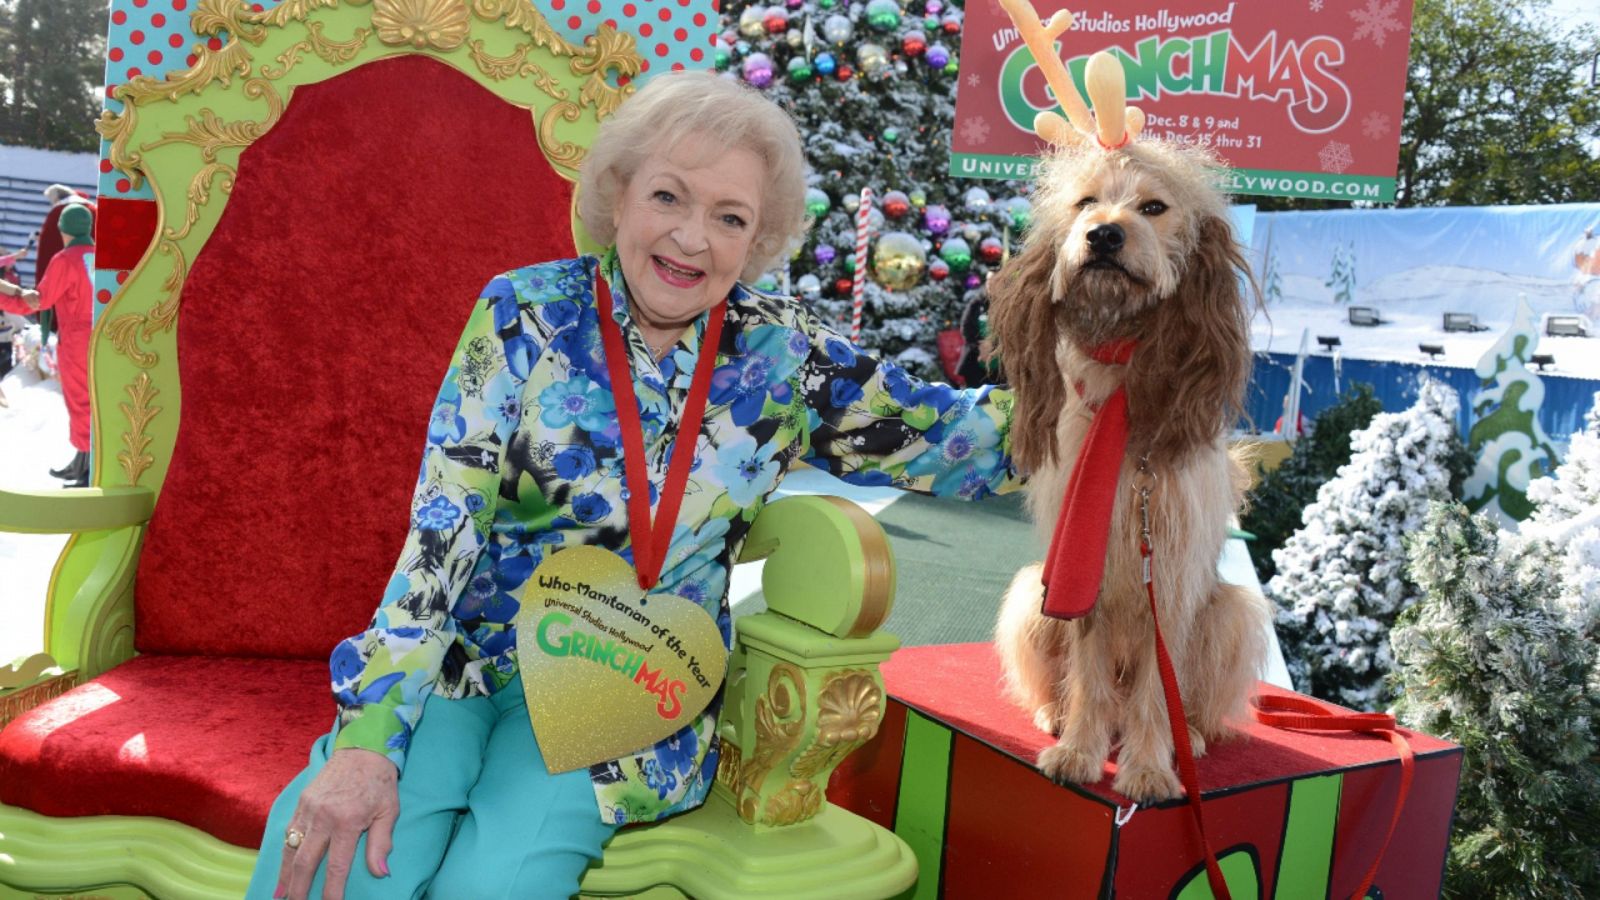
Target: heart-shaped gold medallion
<point>606,669</point>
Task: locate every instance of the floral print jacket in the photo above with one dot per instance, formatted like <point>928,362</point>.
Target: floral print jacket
<point>523,458</point>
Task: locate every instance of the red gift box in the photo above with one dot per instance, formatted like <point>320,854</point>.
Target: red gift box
<point>1289,813</point>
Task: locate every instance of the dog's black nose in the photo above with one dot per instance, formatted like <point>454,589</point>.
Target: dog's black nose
<point>1106,240</point>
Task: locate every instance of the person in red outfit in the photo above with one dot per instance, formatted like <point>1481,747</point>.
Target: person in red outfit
<point>65,287</point>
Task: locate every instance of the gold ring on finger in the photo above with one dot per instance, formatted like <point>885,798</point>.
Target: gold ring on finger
<point>293,838</point>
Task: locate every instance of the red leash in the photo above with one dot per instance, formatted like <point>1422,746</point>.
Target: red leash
<point>1279,712</point>
<point>1188,773</point>
<point>1306,714</point>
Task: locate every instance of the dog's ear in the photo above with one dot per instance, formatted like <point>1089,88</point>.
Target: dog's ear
<point>1187,384</point>
<point>1023,321</point>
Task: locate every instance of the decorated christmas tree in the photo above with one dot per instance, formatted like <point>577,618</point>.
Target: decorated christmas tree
<point>1488,660</point>
<point>1509,443</point>
<point>1341,578</point>
<point>872,87</point>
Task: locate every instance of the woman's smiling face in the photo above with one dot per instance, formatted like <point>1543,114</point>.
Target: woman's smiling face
<point>685,225</point>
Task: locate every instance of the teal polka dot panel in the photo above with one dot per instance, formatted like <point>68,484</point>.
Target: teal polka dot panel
<point>153,37</point>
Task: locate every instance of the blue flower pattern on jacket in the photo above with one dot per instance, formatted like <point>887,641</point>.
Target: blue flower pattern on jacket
<point>523,458</point>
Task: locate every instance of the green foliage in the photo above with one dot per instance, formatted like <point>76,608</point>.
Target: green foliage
<point>1497,109</point>
<point>52,62</point>
<point>1281,496</point>
<point>1485,661</point>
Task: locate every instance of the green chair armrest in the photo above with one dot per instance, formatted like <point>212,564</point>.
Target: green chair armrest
<point>828,564</point>
<point>75,510</point>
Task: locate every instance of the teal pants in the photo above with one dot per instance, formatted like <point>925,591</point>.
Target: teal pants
<point>479,816</point>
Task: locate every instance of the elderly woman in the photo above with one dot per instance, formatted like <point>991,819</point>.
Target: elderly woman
<point>432,781</point>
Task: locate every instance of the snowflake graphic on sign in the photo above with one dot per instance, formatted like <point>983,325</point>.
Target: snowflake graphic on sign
<point>1376,20</point>
<point>973,79</point>
<point>1316,5</point>
<point>1375,125</point>
<point>1335,157</point>
<point>975,130</point>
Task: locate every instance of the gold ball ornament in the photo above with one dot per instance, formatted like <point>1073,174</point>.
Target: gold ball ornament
<point>899,261</point>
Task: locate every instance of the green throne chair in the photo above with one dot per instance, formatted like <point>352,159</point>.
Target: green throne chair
<point>332,184</point>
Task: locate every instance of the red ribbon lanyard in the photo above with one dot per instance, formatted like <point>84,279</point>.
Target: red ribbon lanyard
<point>650,538</point>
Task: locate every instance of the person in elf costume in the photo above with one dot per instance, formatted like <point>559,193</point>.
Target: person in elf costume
<point>66,288</point>
<point>643,403</point>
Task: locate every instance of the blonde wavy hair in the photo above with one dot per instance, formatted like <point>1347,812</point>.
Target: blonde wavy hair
<point>679,105</point>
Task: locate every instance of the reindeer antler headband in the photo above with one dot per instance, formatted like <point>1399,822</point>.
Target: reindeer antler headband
<point>1113,123</point>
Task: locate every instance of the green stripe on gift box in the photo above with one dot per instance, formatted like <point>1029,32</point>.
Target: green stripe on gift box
<point>919,817</point>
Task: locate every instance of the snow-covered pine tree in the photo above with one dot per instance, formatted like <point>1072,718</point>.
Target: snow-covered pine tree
<point>1564,528</point>
<point>1341,578</point>
<point>1342,278</point>
<point>872,87</point>
<point>1485,661</point>
<point>1510,445</point>
<point>1271,276</point>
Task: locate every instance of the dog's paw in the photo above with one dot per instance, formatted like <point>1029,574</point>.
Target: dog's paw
<point>1197,742</point>
<point>1147,784</point>
<point>1061,764</point>
<point>1044,719</point>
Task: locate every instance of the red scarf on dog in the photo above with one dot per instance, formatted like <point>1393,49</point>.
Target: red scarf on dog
<point>1076,563</point>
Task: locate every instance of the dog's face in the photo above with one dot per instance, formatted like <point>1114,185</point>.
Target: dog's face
<point>1124,241</point>
<point>1133,243</point>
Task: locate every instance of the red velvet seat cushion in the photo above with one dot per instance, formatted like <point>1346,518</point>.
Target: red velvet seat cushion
<point>208,742</point>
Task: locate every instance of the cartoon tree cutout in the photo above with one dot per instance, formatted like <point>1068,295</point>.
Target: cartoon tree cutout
<point>1343,277</point>
<point>1507,440</point>
<point>1271,276</point>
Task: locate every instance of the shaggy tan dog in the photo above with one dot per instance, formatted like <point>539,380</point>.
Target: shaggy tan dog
<point>1131,243</point>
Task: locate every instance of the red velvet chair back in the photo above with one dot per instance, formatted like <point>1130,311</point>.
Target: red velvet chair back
<point>314,331</point>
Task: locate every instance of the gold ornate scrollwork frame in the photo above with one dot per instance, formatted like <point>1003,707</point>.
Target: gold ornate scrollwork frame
<point>782,781</point>
<point>234,94</point>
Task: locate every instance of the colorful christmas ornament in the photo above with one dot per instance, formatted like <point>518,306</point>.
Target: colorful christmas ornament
<point>721,58</point>
<point>884,15</point>
<point>1021,211</point>
<point>750,24</point>
<point>896,204</point>
<point>873,58</point>
<point>990,250</point>
<point>837,29</point>
<point>799,69</point>
<point>951,23</point>
<point>849,264</point>
<point>936,219</point>
<point>958,253</point>
<point>913,44</point>
<point>758,69</point>
<point>775,20</point>
<point>933,7</point>
<point>825,253</point>
<point>817,200</point>
<point>825,63</point>
<point>973,281</point>
<point>845,73</point>
<point>843,286</point>
<point>891,135</point>
<point>794,4</point>
<point>976,201</point>
<point>899,261</point>
<point>938,56</point>
<point>767,283</point>
<point>809,286</point>
<point>938,270</point>
<point>851,201</point>
<point>919,198</point>
<point>794,38</point>
<point>971,232</point>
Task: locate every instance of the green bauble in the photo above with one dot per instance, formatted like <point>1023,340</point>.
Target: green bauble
<point>898,261</point>
<point>817,203</point>
<point>721,58</point>
<point>1021,210</point>
<point>849,263</point>
<point>890,135</point>
<point>884,15</point>
<point>799,69</point>
<point>958,253</point>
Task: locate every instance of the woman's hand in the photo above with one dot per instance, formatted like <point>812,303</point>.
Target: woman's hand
<point>356,791</point>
